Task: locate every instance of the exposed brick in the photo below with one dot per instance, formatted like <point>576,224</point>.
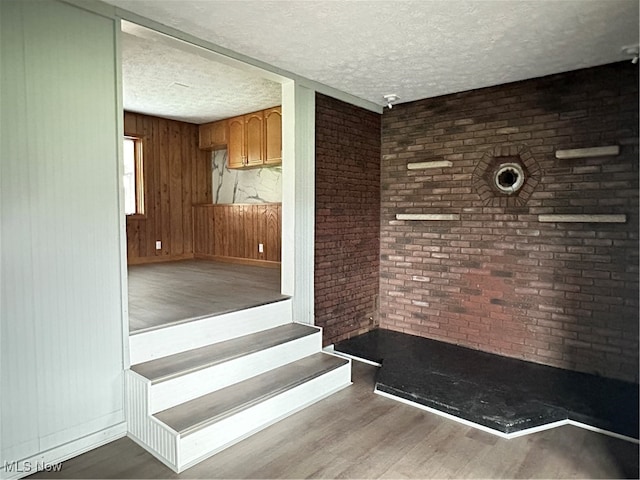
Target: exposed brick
<point>564,295</point>
<point>347,226</point>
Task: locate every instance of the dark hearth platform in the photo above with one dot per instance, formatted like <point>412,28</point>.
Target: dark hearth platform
<point>504,394</point>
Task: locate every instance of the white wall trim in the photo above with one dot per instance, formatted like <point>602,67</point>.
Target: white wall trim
<point>124,281</point>
<point>604,432</point>
<point>70,450</point>
<point>298,198</point>
<point>287,263</point>
<point>500,434</point>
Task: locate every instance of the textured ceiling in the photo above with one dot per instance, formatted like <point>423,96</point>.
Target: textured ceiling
<point>169,79</point>
<point>415,49</point>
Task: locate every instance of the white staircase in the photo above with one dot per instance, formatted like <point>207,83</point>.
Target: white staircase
<point>196,388</point>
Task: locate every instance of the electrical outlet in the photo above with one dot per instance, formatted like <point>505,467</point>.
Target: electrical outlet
<point>260,248</point>
<point>158,245</point>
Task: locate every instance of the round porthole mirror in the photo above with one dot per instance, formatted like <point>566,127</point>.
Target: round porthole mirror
<point>509,178</point>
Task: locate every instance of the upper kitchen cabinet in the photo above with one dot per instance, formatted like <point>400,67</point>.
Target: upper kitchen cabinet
<point>255,139</point>
<point>273,136</point>
<point>213,136</point>
<point>236,146</point>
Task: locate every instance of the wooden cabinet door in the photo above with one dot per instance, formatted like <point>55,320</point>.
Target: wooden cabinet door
<point>204,136</point>
<point>273,136</point>
<point>236,144</point>
<point>212,136</point>
<point>254,138</point>
<point>219,136</point>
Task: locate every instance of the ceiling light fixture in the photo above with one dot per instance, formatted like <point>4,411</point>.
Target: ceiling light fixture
<point>391,99</point>
<point>633,51</point>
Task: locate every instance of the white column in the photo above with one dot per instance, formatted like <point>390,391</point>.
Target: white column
<point>298,198</point>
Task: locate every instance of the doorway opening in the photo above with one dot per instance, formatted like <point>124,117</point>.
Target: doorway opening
<point>209,237</point>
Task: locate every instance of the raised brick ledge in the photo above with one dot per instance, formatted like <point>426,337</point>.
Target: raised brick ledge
<point>427,216</point>
<point>559,218</point>
<point>426,165</point>
<point>610,151</point>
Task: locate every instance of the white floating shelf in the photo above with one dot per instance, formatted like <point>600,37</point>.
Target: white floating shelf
<point>583,218</point>
<point>610,151</point>
<point>427,216</point>
<point>425,165</point>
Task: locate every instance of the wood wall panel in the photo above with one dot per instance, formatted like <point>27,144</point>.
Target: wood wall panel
<point>234,232</point>
<point>176,175</point>
<point>272,227</point>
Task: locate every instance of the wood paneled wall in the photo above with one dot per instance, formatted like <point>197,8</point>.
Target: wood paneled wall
<point>176,175</point>
<point>233,232</point>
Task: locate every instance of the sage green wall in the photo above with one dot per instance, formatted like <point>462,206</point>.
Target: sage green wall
<point>61,333</point>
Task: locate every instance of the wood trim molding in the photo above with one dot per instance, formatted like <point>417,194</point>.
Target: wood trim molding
<point>159,259</point>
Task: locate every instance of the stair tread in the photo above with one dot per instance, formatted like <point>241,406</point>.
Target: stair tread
<point>172,366</point>
<point>196,414</point>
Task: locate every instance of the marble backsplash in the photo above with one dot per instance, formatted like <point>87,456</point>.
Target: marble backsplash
<point>256,185</point>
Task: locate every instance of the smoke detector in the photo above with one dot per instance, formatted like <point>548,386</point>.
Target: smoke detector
<point>391,99</point>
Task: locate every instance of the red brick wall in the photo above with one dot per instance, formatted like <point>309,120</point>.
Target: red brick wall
<point>347,227</point>
<point>562,294</point>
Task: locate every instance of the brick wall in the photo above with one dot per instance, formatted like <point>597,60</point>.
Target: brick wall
<point>347,227</point>
<point>562,294</point>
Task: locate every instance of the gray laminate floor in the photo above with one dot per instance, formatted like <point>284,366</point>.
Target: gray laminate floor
<point>357,434</point>
<point>164,293</point>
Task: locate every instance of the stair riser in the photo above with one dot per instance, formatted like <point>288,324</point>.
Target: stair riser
<point>210,440</point>
<point>186,336</point>
<point>173,392</point>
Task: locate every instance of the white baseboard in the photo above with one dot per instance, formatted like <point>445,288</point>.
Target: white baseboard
<point>331,349</point>
<point>65,452</point>
<point>604,432</point>
<point>500,434</point>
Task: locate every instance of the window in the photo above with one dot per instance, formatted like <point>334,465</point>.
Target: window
<point>133,178</point>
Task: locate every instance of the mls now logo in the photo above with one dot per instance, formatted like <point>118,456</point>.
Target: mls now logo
<point>31,467</point>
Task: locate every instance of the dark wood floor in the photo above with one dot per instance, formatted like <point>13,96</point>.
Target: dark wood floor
<point>357,434</point>
<point>164,293</point>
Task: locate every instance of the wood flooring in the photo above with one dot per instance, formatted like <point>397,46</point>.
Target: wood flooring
<point>357,434</point>
<point>164,293</point>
